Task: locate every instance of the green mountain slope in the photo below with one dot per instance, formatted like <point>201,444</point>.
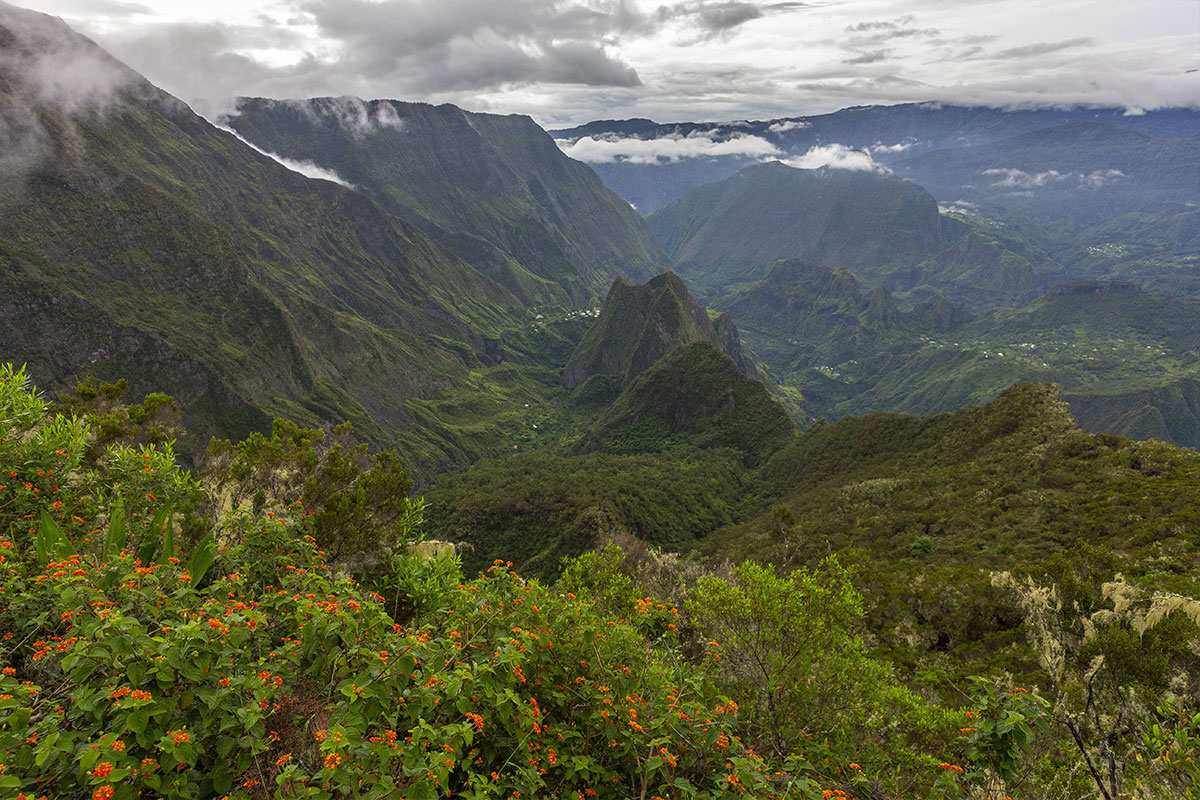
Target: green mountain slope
<point>693,396</point>
<point>1084,172</point>
<point>495,189</point>
<point>929,508</point>
<point>1126,358</point>
<point>637,326</point>
<point>725,236</point>
<point>137,240</point>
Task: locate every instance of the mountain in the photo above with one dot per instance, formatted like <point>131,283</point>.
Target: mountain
<point>890,133</point>
<point>822,311</point>
<point>137,240</point>
<point>1086,172</point>
<point>1159,251</point>
<point>695,396</point>
<point>493,189</point>
<point>1126,359</point>
<point>637,326</point>
<point>726,235</point>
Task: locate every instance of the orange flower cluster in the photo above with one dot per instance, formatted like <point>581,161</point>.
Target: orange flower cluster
<point>954,767</point>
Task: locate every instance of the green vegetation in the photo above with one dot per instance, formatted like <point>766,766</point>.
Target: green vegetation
<point>999,540</point>
<point>724,237</point>
<point>638,325</point>
<point>494,189</point>
<point>172,255</point>
<point>245,664</point>
<point>535,508</point>
<point>1126,359</point>
<point>985,603</point>
<point>693,396</point>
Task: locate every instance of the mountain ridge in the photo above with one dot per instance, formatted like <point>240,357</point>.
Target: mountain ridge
<point>493,189</point>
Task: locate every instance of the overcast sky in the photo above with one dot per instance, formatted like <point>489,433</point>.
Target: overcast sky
<point>570,61</point>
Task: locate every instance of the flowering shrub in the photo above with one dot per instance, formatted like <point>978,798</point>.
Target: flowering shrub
<point>245,668</point>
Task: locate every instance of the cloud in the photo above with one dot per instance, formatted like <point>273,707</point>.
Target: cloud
<point>785,125</point>
<point>723,16</point>
<point>836,156</point>
<point>1097,178</point>
<point>58,66</point>
<point>874,31</point>
<point>609,149</point>
<point>357,117</point>
<point>48,69</point>
<point>569,61</point>
<point>478,43</point>
<point>715,18</point>
<point>959,207</point>
<point>898,147</point>
<point>1041,48</point>
<point>1020,179</point>
<point>306,168</point>
<point>395,48</point>
<point>869,56</point>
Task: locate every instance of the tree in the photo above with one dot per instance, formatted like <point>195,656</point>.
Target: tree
<point>356,503</point>
<point>787,650</point>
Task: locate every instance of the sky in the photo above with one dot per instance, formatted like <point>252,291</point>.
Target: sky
<point>565,62</point>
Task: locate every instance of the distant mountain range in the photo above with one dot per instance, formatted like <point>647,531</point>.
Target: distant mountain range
<point>894,136</point>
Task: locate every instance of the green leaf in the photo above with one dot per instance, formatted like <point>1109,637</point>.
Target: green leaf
<point>422,790</point>
<point>222,782</point>
<point>202,559</point>
<point>51,542</point>
<point>116,530</point>
<point>153,535</point>
<point>168,550</point>
<point>138,720</point>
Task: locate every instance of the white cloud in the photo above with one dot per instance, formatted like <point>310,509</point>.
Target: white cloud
<point>1096,179</point>
<point>898,147</point>
<point>785,125</point>
<point>1021,179</point>
<point>959,207</point>
<point>836,156</point>
<point>45,66</point>
<point>306,168</point>
<point>360,118</point>
<point>610,148</point>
